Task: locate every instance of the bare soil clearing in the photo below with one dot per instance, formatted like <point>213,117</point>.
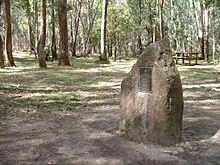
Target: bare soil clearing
<point>89,134</point>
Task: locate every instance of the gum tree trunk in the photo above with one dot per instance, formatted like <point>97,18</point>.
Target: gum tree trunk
<point>8,38</point>
<point>103,56</point>
<point>53,45</point>
<point>41,41</point>
<point>64,58</point>
<point>2,65</point>
<point>140,46</point>
<point>206,31</point>
<point>200,24</point>
<point>36,29</point>
<point>74,33</point>
<point>30,26</point>
<point>161,20</point>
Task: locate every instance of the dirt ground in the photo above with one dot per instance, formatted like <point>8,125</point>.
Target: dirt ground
<point>90,136</point>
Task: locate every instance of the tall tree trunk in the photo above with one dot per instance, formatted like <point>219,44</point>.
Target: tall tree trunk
<point>30,17</point>
<point>155,21</point>
<point>87,29</point>
<point>2,65</point>
<point>199,24</point>
<point>140,30</point>
<point>75,34</point>
<point>152,22</point>
<point>174,24</point>
<point>53,38</point>
<point>103,56</point>
<point>213,47</point>
<point>161,20</point>
<point>42,39</point>
<point>32,38</point>
<point>64,57</point>
<point>90,23</point>
<point>71,34</point>
<point>35,25</point>
<point>206,31</point>
<point>201,33</point>
<point>154,29</point>
<point>8,37</point>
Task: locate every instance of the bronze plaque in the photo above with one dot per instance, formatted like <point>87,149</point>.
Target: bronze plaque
<point>145,79</point>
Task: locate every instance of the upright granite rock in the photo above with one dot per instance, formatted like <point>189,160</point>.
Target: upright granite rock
<point>151,105</point>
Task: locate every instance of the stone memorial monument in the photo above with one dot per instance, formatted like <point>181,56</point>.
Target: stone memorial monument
<point>151,106</point>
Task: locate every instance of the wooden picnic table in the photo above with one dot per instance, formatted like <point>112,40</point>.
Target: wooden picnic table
<point>186,56</point>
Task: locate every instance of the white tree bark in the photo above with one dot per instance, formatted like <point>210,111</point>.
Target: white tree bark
<point>103,55</point>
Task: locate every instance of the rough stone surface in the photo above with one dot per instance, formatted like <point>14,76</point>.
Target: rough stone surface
<point>151,110</point>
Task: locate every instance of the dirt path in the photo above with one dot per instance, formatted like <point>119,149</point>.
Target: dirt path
<point>90,136</point>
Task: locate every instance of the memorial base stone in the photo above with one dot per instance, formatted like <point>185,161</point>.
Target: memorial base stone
<point>151,106</point>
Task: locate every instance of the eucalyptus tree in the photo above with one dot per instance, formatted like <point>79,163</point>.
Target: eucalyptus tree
<point>136,9</point>
<point>53,37</point>
<point>63,31</point>
<point>131,26</point>
<point>144,20</point>
<point>76,13</point>
<point>115,30</point>
<point>176,24</point>
<point>103,55</point>
<point>8,34</point>
<point>214,30</point>
<point>36,19</point>
<point>28,7</point>
<point>2,65</point>
<point>120,30</point>
<point>162,32</point>
<point>42,38</point>
<point>88,19</point>
<point>201,15</point>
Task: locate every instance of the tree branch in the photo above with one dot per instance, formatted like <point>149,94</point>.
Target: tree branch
<point>207,3</point>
